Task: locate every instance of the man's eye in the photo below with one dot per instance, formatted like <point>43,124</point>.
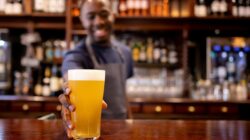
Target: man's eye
<point>91,17</point>
<point>104,15</point>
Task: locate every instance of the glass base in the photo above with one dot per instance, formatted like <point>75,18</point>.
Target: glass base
<point>94,138</point>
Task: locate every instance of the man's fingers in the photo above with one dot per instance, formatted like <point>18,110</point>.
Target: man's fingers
<point>64,100</point>
<point>104,105</point>
<point>66,114</point>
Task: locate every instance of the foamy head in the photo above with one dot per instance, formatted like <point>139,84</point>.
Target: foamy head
<point>86,74</point>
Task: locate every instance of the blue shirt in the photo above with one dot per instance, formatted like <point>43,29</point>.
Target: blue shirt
<point>79,57</point>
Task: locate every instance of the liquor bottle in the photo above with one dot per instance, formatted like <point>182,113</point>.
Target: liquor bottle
<point>38,5</point>
<point>46,6</point>
<point>142,55</point>
<point>135,51</point>
<point>152,7</point>
<point>57,57</point>
<point>230,65</point>
<point>223,8</point>
<point>2,5</point>
<point>54,81</point>
<point>17,7</point>
<point>38,89</point>
<point>130,7</point>
<point>61,6</point>
<point>172,55</point>
<point>137,7</point>
<point>235,10</point>
<point>46,82</point>
<point>163,57</point>
<point>150,47</point>
<point>165,10</point>
<point>159,8</point>
<point>156,52</point>
<point>175,9</point>
<point>122,8</point>
<point>48,51</point>
<point>248,8</point>
<point>18,82</point>
<point>27,87</point>
<point>115,5</point>
<point>215,7</point>
<point>200,9</point>
<point>144,7</point>
<point>9,7</point>
<point>39,52</point>
<point>242,8</point>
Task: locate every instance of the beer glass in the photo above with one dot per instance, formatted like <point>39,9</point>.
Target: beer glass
<point>87,89</point>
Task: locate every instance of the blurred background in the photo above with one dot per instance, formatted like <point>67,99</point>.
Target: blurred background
<point>191,57</point>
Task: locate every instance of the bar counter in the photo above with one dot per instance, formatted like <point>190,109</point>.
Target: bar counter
<point>31,129</point>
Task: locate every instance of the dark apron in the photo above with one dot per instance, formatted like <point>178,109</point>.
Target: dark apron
<point>114,93</point>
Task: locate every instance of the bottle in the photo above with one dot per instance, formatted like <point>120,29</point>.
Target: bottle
<point>115,5</point>
<point>152,7</point>
<point>235,10</point>
<point>61,6</point>
<point>242,8</point>
<point>231,67</point>
<point>150,47</point>
<point>39,52</point>
<point>46,82</point>
<point>175,8</point>
<point>57,56</point>
<point>18,83</point>
<point>137,7</point>
<point>157,52</point>
<point>130,7</point>
<point>172,55</point>
<point>248,8</point>
<point>48,51</point>
<point>122,8</point>
<point>38,89</point>
<point>54,81</point>
<point>135,51</point>
<point>2,5</point>
<point>38,5</point>
<point>200,9</point>
<point>165,10</point>
<point>9,7</point>
<point>144,7</point>
<point>17,7</point>
<point>223,8</point>
<point>142,55</point>
<point>159,8</point>
<point>46,6</point>
<point>163,57</point>
<point>215,7</point>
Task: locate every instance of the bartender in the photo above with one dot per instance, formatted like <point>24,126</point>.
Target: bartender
<point>99,50</point>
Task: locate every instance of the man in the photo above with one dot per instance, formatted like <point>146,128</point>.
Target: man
<point>99,51</point>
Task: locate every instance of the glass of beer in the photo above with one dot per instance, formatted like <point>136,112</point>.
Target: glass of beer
<point>87,89</point>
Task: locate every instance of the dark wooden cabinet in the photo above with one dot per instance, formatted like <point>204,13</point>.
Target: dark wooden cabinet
<point>142,108</point>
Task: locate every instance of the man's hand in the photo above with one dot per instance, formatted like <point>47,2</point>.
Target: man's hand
<point>67,108</point>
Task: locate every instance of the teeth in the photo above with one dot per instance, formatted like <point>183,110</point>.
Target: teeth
<point>100,32</point>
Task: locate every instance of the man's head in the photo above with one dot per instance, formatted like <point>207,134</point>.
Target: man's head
<point>97,19</point>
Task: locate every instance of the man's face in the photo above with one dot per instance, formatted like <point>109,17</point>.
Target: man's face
<point>97,19</point>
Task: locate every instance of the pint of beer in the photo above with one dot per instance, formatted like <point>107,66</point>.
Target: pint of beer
<point>87,88</point>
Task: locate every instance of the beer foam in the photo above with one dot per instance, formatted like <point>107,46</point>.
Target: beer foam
<point>86,74</point>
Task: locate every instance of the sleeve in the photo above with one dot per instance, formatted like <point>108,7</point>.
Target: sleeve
<point>72,60</point>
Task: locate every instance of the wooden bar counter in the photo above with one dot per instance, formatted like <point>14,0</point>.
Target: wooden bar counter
<point>31,129</point>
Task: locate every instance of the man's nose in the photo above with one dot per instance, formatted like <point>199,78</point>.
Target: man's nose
<point>98,20</point>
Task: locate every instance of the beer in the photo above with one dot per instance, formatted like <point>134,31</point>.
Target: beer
<point>87,88</point>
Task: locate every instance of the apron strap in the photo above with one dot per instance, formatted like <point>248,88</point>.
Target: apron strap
<point>91,53</point>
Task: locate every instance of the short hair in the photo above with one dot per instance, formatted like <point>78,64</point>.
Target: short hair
<point>82,2</point>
